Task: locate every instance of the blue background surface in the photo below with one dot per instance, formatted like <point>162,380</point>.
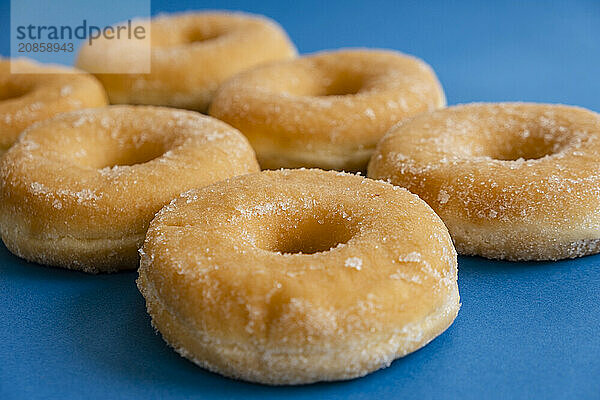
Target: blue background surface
<point>525,330</point>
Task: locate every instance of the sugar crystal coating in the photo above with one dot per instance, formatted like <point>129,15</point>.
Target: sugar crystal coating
<point>512,181</point>
<point>83,199</point>
<point>41,93</point>
<point>326,110</point>
<point>191,54</point>
<point>322,275</point>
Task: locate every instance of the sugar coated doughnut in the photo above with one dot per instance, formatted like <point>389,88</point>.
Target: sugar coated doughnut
<point>297,276</point>
<point>39,92</point>
<point>84,199</point>
<point>191,55</point>
<point>511,181</point>
<point>327,110</point>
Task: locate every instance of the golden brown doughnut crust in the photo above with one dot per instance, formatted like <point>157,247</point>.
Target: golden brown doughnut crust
<point>41,93</point>
<point>511,181</point>
<point>191,55</point>
<point>83,199</point>
<point>297,276</point>
<point>326,110</point>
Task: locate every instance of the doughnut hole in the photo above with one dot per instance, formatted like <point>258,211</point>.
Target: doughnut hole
<point>200,35</point>
<point>305,234</point>
<point>307,80</point>
<point>530,149</point>
<point>343,84</point>
<point>334,82</point>
<point>525,143</point>
<point>130,154</point>
<point>10,92</point>
<point>188,34</point>
<point>106,148</point>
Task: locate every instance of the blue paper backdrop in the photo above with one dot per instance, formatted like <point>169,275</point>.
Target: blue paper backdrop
<point>526,330</point>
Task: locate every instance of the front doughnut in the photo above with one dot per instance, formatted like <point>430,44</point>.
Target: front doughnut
<point>298,276</point>
<point>511,181</point>
<point>83,199</point>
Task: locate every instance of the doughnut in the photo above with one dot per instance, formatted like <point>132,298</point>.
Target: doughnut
<point>326,110</point>
<point>298,276</point>
<point>514,181</point>
<point>191,55</point>
<point>39,92</point>
<point>84,199</point>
